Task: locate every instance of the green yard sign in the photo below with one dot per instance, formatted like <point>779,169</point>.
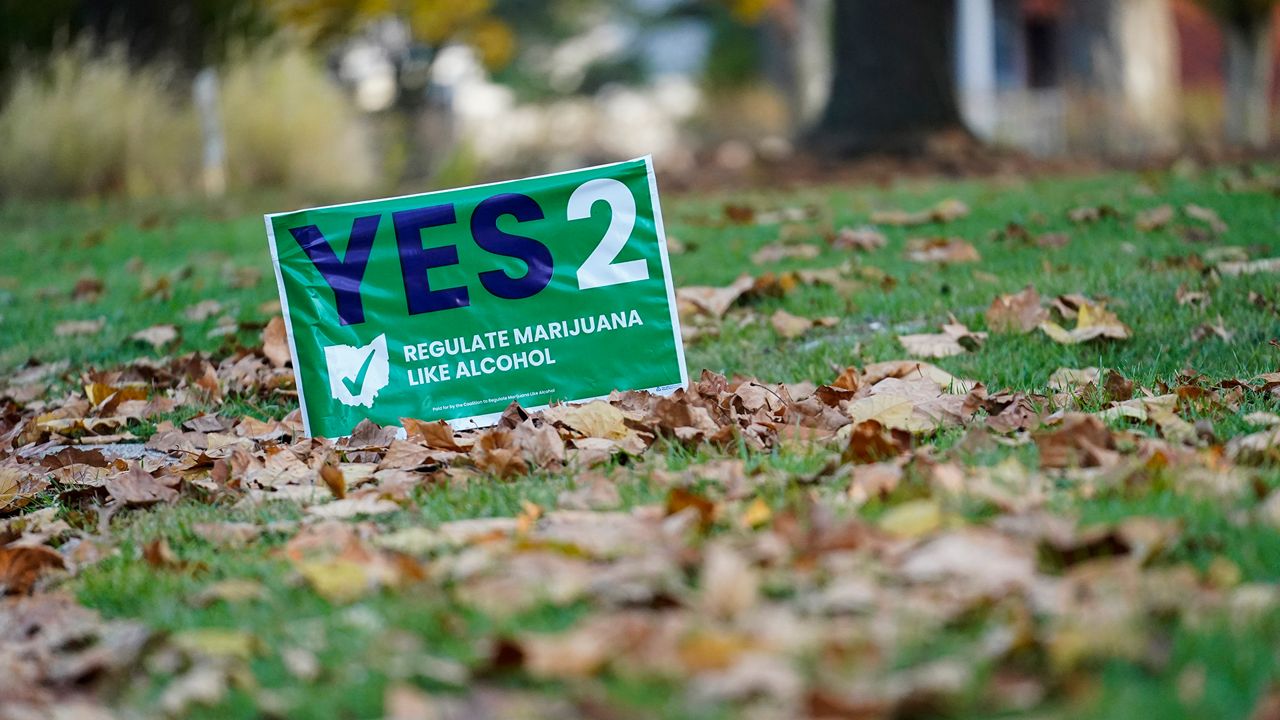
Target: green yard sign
<point>450,305</point>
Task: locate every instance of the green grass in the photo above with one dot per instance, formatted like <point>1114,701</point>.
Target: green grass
<point>363,647</point>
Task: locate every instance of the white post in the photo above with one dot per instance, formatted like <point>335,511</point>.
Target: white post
<point>976,65</point>
<point>214,147</point>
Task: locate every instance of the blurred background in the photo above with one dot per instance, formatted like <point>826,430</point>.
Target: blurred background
<point>139,98</point>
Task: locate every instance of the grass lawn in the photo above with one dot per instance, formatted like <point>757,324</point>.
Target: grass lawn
<point>802,581</point>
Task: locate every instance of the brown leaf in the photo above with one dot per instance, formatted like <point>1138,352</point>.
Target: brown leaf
<point>1017,313</point>
<point>680,498</point>
<point>334,480</point>
<point>869,442</point>
<point>1207,216</point>
<point>1081,441</point>
<point>157,336</point>
<point>1093,321</point>
<point>275,342</point>
<point>711,301</point>
<point>203,310</point>
<point>1212,330</point>
<point>1082,215</point>
<point>594,419</point>
<point>496,454</point>
<point>867,239</point>
<point>1154,219</point>
<point>941,250</point>
<point>789,326</point>
<point>135,486</point>
<point>945,211</point>
<point>159,554</point>
<point>87,288</point>
<point>438,434</point>
<point>21,566</point>
<point>955,339</point>
<point>1186,296</point>
<point>777,252</point>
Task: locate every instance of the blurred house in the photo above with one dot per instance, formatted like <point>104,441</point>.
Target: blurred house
<point>1031,75</point>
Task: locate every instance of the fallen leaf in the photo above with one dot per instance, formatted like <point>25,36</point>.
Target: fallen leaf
<point>22,566</point>
<point>230,591</point>
<point>867,239</point>
<point>730,585</point>
<point>912,519</point>
<point>943,212</point>
<point>1017,313</point>
<point>711,301</point>
<point>275,342</point>
<point>203,310</point>
<point>157,336</point>
<point>1249,267</point>
<point>334,480</point>
<point>776,252</point>
<point>1081,441</point>
<point>438,434</point>
<point>1212,330</point>
<point>1093,322</point>
<point>789,326</point>
<point>594,419</point>
<point>1154,219</point>
<point>955,339</point>
<point>1074,380</point>
<point>941,250</point>
<point>217,643</point>
<point>1208,216</point>
<point>1082,215</point>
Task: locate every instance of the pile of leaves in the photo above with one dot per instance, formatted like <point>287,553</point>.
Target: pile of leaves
<point>788,607</point>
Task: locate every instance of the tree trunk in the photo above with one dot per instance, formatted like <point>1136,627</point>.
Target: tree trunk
<point>1248,102</point>
<point>798,57</point>
<point>893,86</point>
<point>1123,65</point>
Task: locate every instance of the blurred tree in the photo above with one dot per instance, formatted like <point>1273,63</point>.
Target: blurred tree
<point>1122,73</point>
<point>1248,27</point>
<point>189,33</point>
<point>893,82</point>
<point>495,29</point>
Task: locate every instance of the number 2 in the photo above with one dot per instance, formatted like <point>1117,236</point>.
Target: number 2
<point>599,270</point>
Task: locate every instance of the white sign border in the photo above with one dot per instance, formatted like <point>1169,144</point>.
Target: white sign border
<point>490,419</point>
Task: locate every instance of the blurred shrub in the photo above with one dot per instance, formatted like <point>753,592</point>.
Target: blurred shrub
<point>287,124</point>
<point>90,124</point>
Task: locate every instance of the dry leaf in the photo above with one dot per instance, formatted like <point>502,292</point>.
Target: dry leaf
<point>1017,313</point>
<point>275,342</point>
<point>941,250</point>
<point>22,566</point>
<point>945,211</point>
<point>594,419</point>
<point>867,239</point>
<point>711,301</point>
<point>1207,216</point>
<point>777,252</point>
<point>1154,219</point>
<point>789,326</point>
<point>1093,321</point>
<point>157,336</point>
<point>955,339</point>
<point>1249,267</point>
<point>203,310</point>
<point>1082,215</point>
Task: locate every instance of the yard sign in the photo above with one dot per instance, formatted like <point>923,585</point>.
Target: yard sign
<point>449,305</point>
